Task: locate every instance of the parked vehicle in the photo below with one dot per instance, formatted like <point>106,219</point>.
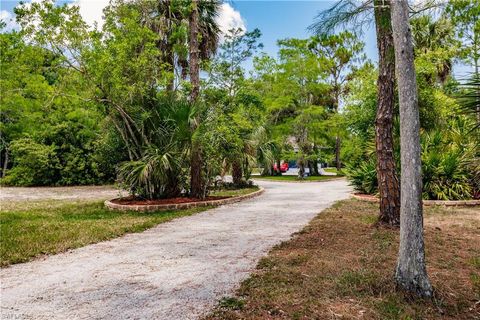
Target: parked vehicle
<point>283,167</point>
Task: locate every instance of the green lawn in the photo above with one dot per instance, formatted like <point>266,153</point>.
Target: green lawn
<point>30,229</point>
<point>294,178</point>
<point>334,170</point>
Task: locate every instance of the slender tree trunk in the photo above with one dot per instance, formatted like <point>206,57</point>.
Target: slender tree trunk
<point>388,184</point>
<point>237,173</point>
<point>338,142</point>
<point>411,273</point>
<point>477,75</point>
<point>196,181</point>
<point>337,153</point>
<point>301,167</point>
<point>278,171</point>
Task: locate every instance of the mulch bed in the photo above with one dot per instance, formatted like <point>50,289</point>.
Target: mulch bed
<point>136,201</point>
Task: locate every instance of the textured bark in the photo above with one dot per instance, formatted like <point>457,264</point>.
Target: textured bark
<point>194,52</point>
<point>196,181</point>
<point>278,172</point>
<point>411,273</point>
<point>388,184</point>
<point>237,173</point>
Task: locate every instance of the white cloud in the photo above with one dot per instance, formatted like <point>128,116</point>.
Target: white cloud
<point>92,10</point>
<point>229,18</point>
<point>9,20</point>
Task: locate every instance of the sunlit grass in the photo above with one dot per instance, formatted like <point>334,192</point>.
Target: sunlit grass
<point>29,229</point>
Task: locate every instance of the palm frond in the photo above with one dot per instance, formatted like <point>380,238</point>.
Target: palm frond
<point>345,12</point>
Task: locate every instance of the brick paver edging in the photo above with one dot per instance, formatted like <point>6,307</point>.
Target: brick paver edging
<point>163,207</point>
<point>446,203</point>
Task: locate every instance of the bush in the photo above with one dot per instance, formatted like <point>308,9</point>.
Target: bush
<point>445,171</point>
<point>156,175</point>
<point>34,164</point>
<point>363,177</point>
<point>450,169</point>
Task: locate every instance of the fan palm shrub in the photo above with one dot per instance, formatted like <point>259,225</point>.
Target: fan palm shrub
<point>446,170</point>
<point>450,164</point>
<point>165,139</point>
<point>363,176</point>
<point>469,98</point>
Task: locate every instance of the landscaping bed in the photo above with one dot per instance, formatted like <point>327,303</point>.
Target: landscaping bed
<point>135,201</point>
<point>135,204</point>
<point>342,267</point>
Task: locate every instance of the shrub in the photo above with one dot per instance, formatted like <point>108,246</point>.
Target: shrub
<point>363,176</point>
<point>156,175</point>
<point>450,169</point>
<point>445,171</point>
<point>34,164</point>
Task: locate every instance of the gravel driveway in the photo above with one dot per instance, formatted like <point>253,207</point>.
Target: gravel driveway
<point>177,270</point>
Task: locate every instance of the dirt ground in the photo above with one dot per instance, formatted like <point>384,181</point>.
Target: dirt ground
<point>342,267</point>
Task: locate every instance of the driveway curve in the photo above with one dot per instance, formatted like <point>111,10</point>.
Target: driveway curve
<point>177,270</point>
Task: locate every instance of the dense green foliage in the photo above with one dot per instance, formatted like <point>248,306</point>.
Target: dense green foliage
<point>450,144</point>
<point>84,105</point>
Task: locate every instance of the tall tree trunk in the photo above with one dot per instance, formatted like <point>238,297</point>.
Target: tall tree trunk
<point>411,273</point>
<point>194,52</point>
<point>388,184</point>
<point>301,167</point>
<point>338,142</point>
<point>278,171</point>
<point>196,181</point>
<point>337,154</point>
<point>237,173</point>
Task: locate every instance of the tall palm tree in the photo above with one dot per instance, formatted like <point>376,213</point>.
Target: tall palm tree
<point>430,36</point>
<point>171,18</point>
<point>196,183</point>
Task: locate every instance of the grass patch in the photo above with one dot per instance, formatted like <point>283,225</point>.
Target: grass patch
<point>231,303</point>
<point>27,233</point>
<point>30,229</point>
<point>295,178</point>
<point>234,192</point>
<point>341,267</point>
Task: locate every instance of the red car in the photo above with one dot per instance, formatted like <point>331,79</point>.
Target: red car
<point>283,167</point>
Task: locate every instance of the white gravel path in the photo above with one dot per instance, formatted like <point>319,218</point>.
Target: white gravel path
<point>177,270</point>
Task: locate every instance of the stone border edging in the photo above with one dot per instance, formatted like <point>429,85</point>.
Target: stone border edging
<point>187,205</point>
<point>446,203</point>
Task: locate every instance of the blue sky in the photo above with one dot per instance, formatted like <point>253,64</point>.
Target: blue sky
<point>289,19</point>
<point>275,19</point>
